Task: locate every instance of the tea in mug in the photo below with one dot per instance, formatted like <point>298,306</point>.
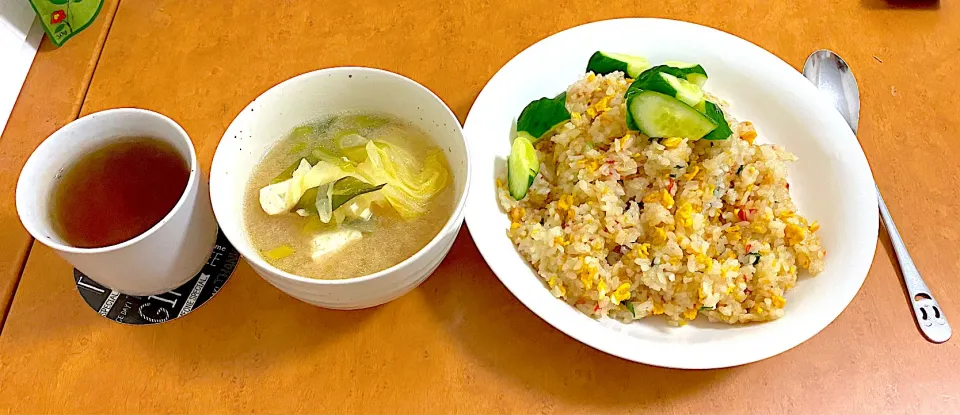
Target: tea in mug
<point>118,192</point>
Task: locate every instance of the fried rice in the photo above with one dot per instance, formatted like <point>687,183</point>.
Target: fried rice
<point>625,226</point>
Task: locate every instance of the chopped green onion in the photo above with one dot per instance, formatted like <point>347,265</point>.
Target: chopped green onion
<point>364,226</point>
<point>279,252</point>
<point>333,195</point>
<point>368,121</point>
<point>288,172</point>
<point>302,132</point>
<point>307,202</point>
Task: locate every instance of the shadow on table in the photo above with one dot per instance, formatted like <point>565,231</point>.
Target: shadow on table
<point>901,4</point>
<point>508,338</point>
<point>254,325</point>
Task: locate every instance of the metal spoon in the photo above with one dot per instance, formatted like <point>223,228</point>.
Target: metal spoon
<point>833,77</point>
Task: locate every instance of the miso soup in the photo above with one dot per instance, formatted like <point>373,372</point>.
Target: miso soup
<point>347,195</point>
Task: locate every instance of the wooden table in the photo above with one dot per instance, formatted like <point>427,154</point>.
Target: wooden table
<point>461,342</point>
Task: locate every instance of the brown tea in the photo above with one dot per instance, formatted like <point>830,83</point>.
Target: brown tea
<point>118,191</point>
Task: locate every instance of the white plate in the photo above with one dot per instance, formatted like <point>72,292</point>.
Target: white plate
<point>831,183</point>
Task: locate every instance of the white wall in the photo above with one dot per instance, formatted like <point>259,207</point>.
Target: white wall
<point>20,35</point>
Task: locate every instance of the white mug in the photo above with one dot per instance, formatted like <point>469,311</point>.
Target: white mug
<point>158,260</point>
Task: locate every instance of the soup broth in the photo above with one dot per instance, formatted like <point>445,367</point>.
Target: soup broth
<point>288,240</point>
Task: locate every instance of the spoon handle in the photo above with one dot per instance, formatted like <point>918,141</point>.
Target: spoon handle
<point>930,318</point>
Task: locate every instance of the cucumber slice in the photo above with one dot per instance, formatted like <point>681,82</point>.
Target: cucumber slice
<point>691,71</point>
<point>659,115</point>
<point>541,116</point>
<point>723,131</point>
<point>686,91</point>
<point>702,107</point>
<point>668,80</point>
<point>602,63</point>
<point>522,167</point>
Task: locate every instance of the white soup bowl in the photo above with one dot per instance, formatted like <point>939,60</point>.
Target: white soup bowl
<point>306,98</point>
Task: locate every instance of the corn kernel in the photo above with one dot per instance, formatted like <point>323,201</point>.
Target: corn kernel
<point>622,293</point>
<point>814,226</point>
<point>667,199</point>
<point>585,279</point>
<point>779,301</point>
<point>659,235</point>
<point>553,282</point>
<point>685,212</point>
<point>587,275</point>
<point>672,142</point>
<point>748,131</point>
<point>657,309</point>
<point>794,234</point>
<point>735,268</point>
<point>516,214</point>
<point>602,105</point>
<point>643,250</point>
<point>514,226</point>
<point>702,259</point>
<point>690,314</point>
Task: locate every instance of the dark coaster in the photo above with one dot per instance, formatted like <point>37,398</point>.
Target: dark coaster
<point>161,308</point>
